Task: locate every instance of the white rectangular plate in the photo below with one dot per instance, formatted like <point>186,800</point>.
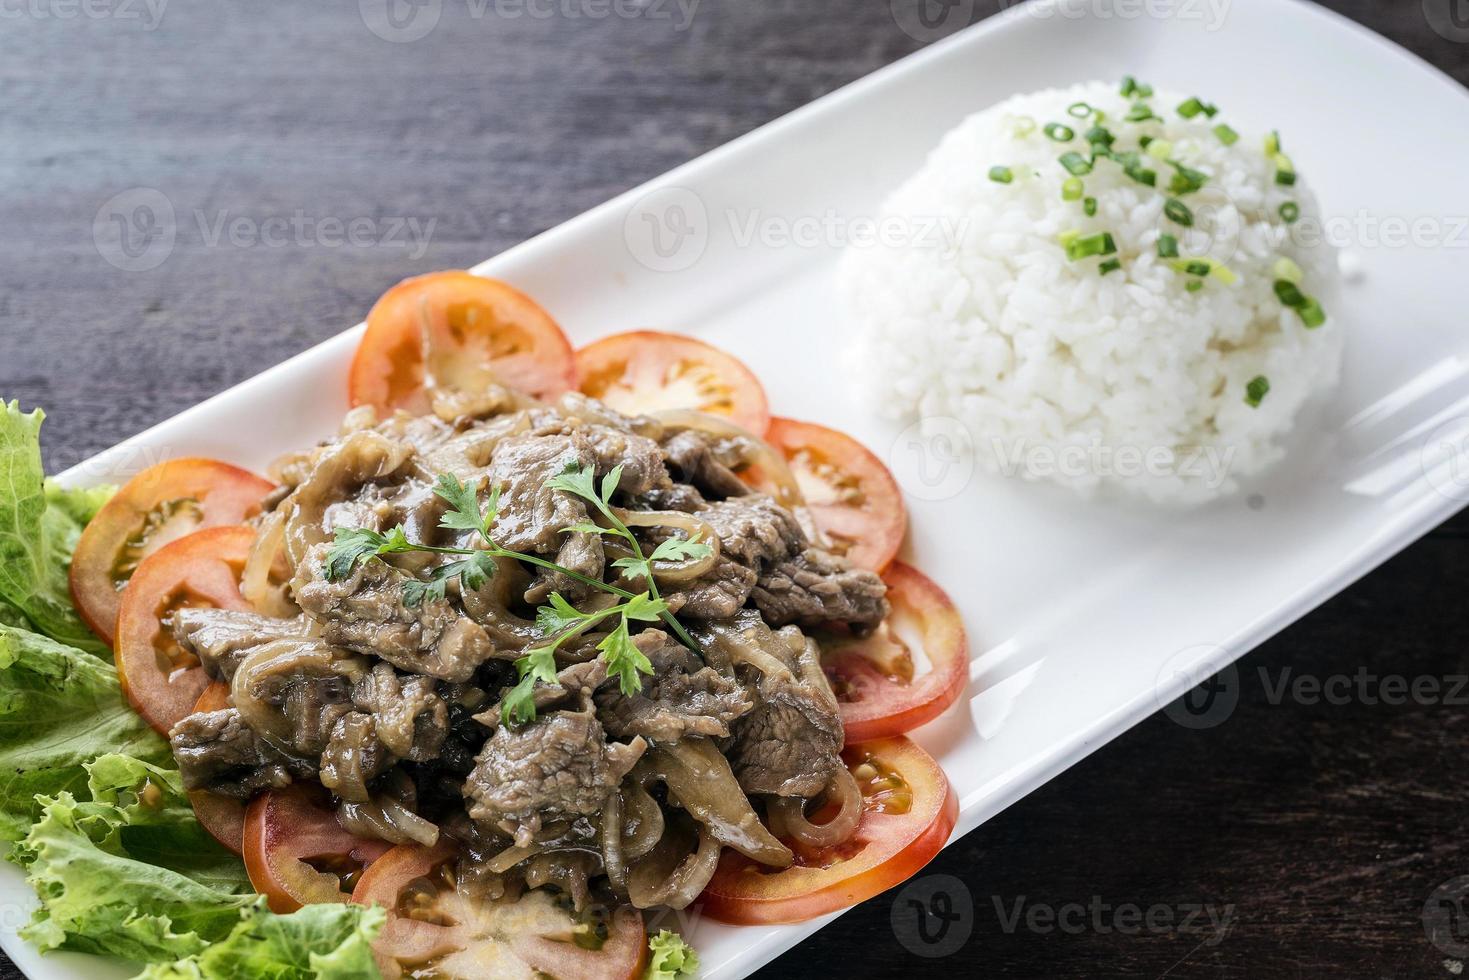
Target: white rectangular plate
<point>1083,618</point>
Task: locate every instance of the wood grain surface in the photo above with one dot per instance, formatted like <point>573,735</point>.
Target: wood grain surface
<point>1314,832</point>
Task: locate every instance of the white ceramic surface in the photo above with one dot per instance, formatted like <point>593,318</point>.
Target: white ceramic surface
<point>1083,619</point>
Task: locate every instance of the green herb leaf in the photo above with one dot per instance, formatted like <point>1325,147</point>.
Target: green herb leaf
<point>680,549</point>
<point>624,660</point>
<point>351,546</point>
<point>644,608</point>
<point>559,616</point>
<point>464,512</point>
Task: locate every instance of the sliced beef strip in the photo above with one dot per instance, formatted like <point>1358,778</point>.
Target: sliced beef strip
<point>717,595</point>
<point>220,638</point>
<point>754,529</point>
<point>557,768</point>
<point>365,613</point>
<point>409,715</point>
<point>815,588</point>
<point>532,515</point>
<point>217,751</point>
<point>695,460</point>
<point>682,697</point>
<point>574,684</point>
<point>789,744</point>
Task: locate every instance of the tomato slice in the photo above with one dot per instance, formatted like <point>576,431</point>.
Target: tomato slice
<point>874,676</point>
<point>646,371</point>
<point>433,929</point>
<point>461,332</point>
<point>851,495</point>
<point>908,812</point>
<point>161,504</point>
<point>223,817</point>
<point>160,680</point>
<point>297,854</point>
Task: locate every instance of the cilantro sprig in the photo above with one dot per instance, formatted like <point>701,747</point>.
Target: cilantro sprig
<point>558,621</point>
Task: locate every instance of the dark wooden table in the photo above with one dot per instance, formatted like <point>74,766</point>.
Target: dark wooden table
<point>1320,830</point>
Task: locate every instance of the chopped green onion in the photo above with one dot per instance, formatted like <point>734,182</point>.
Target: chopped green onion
<point>1099,244</point>
<point>1289,212</point>
<point>1192,267</point>
<point>1178,212</point>
<point>1140,112</point>
<point>1272,143</point>
<point>1287,270</point>
<point>1186,180</point>
<point>1024,126</point>
<point>1068,236</point>
<point>1076,164</point>
<point>1079,110</point>
<point>1089,206</point>
<point>1167,247</point>
<point>1145,141</point>
<point>1132,166</point>
<point>1194,285</point>
<point>1312,315</point>
<point>1193,106</point>
<point>1071,189</point>
<point>1131,87</point>
<point>1256,390</point>
<point>1226,135</point>
<point>1001,175</point>
<point>1285,171</point>
<point>1060,133</point>
<point>1100,136</point>
<point>1159,149</point>
<point>1289,294</point>
<point>1111,265</point>
<point>1223,273</point>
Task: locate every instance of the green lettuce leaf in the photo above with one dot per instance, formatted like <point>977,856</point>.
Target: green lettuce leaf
<point>38,530</point>
<point>318,942</point>
<point>96,898</point>
<point>670,957</point>
<point>59,708</point>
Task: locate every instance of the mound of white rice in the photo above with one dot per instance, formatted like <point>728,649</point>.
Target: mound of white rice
<point>1058,371</point>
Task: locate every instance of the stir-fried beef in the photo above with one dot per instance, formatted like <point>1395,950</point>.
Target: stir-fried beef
<point>682,697</point>
<point>366,613</point>
<point>396,707</point>
<point>217,751</point>
<point>705,464</point>
<point>816,587</point>
<point>557,768</point>
<point>220,638</point>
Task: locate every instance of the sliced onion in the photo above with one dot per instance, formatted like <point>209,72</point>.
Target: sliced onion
<point>788,814</point>
<point>255,584</point>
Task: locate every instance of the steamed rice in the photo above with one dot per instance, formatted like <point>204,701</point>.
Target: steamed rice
<point>1058,372</point>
